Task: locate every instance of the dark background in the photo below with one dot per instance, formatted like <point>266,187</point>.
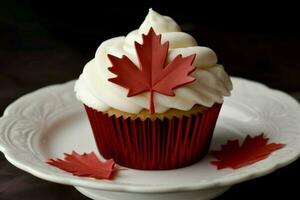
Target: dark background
<point>47,42</point>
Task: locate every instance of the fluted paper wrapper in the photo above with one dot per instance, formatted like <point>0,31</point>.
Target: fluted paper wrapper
<point>154,144</point>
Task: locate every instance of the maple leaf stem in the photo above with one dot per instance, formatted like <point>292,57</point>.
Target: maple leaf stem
<point>152,108</point>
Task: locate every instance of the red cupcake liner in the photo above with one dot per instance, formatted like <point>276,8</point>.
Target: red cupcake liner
<point>154,145</point>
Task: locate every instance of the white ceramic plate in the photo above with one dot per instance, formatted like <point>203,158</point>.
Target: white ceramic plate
<point>50,121</point>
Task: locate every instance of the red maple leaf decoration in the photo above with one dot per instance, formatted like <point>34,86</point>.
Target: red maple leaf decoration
<point>153,75</point>
<point>87,165</point>
<point>234,156</point>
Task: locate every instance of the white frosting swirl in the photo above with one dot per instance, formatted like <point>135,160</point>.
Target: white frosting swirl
<point>211,85</point>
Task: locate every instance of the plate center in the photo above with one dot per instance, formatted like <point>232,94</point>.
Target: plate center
<point>71,131</point>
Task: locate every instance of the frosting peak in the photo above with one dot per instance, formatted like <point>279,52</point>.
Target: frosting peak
<point>160,23</point>
<point>211,85</point>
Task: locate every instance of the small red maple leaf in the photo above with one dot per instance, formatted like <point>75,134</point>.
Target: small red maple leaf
<point>252,150</point>
<point>87,165</point>
<point>153,75</point>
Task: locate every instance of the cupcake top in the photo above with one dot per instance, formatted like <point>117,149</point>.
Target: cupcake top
<point>211,83</point>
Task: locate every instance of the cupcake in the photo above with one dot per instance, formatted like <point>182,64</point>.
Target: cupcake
<point>153,97</point>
